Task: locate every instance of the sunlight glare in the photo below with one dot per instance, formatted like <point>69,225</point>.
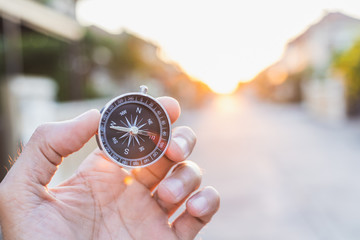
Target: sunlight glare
<point>226,104</point>
<point>217,42</point>
<point>128,180</point>
<point>222,88</point>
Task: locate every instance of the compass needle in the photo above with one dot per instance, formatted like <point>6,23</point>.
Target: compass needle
<point>125,135</point>
<point>141,138</point>
<point>127,120</point>
<point>137,140</point>
<point>146,133</point>
<point>121,129</point>
<point>123,122</point>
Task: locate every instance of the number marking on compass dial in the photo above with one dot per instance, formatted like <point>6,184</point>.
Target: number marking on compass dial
<point>134,130</point>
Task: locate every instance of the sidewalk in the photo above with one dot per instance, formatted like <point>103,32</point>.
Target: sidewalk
<point>281,174</point>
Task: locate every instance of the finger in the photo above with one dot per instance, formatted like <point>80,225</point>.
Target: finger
<point>181,145</point>
<point>174,189</point>
<point>199,210</point>
<point>49,144</point>
<point>171,106</point>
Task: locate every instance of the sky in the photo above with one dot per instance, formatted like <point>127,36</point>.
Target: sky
<point>219,42</point>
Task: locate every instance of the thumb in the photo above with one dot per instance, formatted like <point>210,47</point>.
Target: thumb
<point>49,144</point>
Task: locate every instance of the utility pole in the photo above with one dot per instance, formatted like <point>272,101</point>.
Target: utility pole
<point>12,58</point>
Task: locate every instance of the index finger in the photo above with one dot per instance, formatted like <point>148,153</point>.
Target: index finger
<point>171,106</point>
<point>181,145</point>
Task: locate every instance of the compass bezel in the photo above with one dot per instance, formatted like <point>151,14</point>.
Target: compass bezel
<point>103,141</point>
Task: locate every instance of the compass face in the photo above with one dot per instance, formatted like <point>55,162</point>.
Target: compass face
<point>134,130</point>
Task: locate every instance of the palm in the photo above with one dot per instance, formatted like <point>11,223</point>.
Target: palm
<point>103,205</point>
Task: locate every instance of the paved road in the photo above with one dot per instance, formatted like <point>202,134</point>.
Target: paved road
<point>281,174</point>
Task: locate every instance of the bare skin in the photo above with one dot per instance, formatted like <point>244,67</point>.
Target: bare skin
<point>102,200</point>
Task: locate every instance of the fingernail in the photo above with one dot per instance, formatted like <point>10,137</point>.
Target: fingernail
<point>174,186</point>
<point>183,145</point>
<point>200,204</point>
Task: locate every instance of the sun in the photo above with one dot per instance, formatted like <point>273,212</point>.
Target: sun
<point>223,87</point>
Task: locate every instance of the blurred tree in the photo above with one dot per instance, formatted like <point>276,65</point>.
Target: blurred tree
<point>126,55</point>
<point>348,64</point>
<point>279,88</point>
<point>42,1</point>
<point>59,60</point>
<point>44,55</point>
<point>2,58</point>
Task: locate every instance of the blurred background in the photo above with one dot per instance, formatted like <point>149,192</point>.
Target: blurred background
<point>272,89</point>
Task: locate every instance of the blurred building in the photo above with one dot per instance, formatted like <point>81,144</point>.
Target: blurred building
<point>304,73</point>
<point>334,33</point>
<point>30,33</point>
<point>21,24</point>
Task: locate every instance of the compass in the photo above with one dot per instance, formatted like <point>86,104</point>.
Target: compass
<point>134,129</point>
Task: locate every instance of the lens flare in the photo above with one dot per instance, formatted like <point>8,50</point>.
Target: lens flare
<point>128,180</point>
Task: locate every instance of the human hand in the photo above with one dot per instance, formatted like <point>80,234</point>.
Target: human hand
<point>102,200</point>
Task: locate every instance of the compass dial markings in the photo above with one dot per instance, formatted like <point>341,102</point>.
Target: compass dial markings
<point>140,129</point>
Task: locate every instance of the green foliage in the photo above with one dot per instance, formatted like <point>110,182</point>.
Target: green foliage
<point>41,54</point>
<point>61,61</point>
<point>348,63</point>
<point>42,1</point>
<point>126,52</point>
<point>47,56</point>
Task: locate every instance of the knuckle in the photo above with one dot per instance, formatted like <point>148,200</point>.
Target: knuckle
<point>192,166</point>
<point>4,193</point>
<point>190,171</point>
<point>196,172</point>
<point>186,132</point>
<point>42,130</point>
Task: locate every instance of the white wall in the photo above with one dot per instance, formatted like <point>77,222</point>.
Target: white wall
<point>32,103</point>
<point>325,100</point>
